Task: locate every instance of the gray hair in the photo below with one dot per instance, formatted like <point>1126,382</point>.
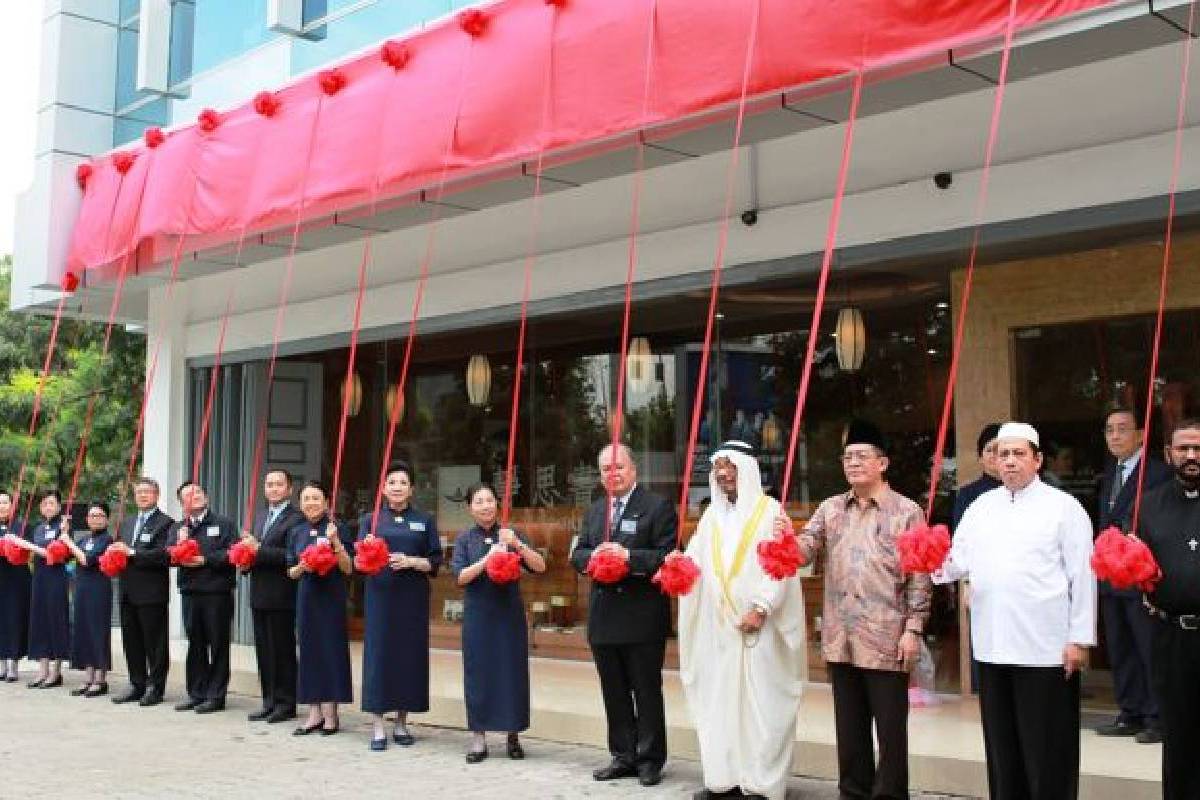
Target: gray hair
<point>148,481</point>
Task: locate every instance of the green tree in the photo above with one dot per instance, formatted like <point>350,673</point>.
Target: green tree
<point>78,375</point>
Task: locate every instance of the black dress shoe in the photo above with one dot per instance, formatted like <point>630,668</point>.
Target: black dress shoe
<point>305,730</point>
<point>1119,728</point>
<point>330,731</point>
<point>37,684</point>
<point>475,756</point>
<point>260,715</point>
<point>404,739</point>
<point>649,775</point>
<point>615,770</point>
<point>81,691</point>
<point>281,715</point>
<point>54,684</point>
<point>97,690</point>
<point>515,751</point>
<point>13,678</point>
<point>132,696</point>
<point>151,699</point>
<point>188,705</point>
<point>210,706</point>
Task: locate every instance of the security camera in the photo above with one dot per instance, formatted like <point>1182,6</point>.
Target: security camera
<point>942,180</point>
<point>750,217</point>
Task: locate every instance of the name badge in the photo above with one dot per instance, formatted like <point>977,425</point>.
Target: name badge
<point>417,526</point>
<point>89,546</point>
<point>322,539</point>
<point>145,537</point>
<point>629,526</point>
<point>399,520</point>
<point>213,531</point>
<point>50,535</point>
<point>312,534</point>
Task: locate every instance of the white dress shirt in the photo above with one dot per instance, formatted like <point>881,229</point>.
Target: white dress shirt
<point>1028,557</point>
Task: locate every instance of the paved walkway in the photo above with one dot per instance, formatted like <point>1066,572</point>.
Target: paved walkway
<point>55,745</point>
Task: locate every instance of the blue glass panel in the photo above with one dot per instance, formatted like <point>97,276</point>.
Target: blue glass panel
<point>183,21</point>
<point>225,29</point>
<point>128,8</point>
<point>128,127</point>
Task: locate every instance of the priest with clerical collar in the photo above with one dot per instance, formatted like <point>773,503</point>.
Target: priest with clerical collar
<point>1026,548</point>
<point>1169,523</point>
<point>742,654</point>
<point>874,616</point>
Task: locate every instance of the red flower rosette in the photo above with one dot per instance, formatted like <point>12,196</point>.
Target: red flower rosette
<point>57,552</point>
<point>504,567</point>
<point>780,556</point>
<point>1124,561</point>
<point>242,555</point>
<point>16,555</point>
<point>371,555</point>
<point>83,173</point>
<point>123,161</point>
<point>473,21</point>
<point>678,574</point>
<point>183,552</point>
<point>395,54</point>
<point>319,557</point>
<point>113,561</point>
<point>607,566</point>
<point>923,548</point>
<point>70,282</point>
<point>267,103</point>
<point>208,120</point>
<point>332,81</point>
<point>153,136</point>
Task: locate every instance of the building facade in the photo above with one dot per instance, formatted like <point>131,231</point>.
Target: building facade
<point>1056,329</point>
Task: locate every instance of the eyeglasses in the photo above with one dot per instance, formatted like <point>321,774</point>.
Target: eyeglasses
<point>858,457</point>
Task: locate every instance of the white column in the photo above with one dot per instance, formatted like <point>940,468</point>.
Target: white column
<point>166,409</point>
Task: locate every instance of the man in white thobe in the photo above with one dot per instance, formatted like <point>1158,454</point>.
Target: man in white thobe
<point>1026,548</point>
<point>741,639</point>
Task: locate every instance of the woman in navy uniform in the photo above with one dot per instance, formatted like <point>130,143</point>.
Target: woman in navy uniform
<point>396,640</point>
<point>90,636</point>
<point>323,676</point>
<point>495,639</point>
<point>49,606</point>
<point>14,596</point>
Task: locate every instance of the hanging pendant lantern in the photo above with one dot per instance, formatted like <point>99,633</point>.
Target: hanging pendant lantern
<point>639,365</point>
<point>354,388</point>
<point>772,436</point>
<point>479,380</point>
<point>851,335</point>
<point>389,401</point>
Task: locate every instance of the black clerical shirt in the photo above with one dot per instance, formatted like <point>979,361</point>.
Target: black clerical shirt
<point>1170,526</point>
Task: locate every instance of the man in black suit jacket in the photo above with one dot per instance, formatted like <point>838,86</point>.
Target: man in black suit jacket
<point>628,621</point>
<point>1127,626</point>
<point>206,583</point>
<point>273,600</point>
<point>144,589</point>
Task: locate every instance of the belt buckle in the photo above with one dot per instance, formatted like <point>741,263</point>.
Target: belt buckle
<point>1189,622</point>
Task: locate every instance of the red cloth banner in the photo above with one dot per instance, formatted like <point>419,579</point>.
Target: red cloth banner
<point>596,93</point>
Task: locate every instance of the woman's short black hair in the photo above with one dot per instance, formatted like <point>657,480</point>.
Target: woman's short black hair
<point>100,504</point>
<point>315,484</point>
<point>55,493</point>
<point>400,466</point>
<point>476,488</point>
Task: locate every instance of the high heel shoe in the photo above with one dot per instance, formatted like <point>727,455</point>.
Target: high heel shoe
<point>330,731</point>
<point>305,730</point>
<point>35,684</point>
<point>515,751</point>
<point>81,691</point>
<point>97,690</point>
<point>54,684</point>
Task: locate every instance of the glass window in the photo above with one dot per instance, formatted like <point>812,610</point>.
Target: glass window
<point>128,9</point>
<point>127,53</point>
<point>183,38</point>
<point>225,29</point>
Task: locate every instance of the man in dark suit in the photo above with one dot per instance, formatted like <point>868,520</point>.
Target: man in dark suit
<point>273,600</point>
<point>206,583</point>
<point>144,589</point>
<point>1128,628</point>
<point>629,620</point>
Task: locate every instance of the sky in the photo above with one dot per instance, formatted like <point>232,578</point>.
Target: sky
<point>20,45</point>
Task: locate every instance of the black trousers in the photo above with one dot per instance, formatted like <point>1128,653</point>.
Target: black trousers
<point>275,649</point>
<point>1177,681</point>
<point>1128,629</point>
<point>862,699</point>
<point>207,619</point>
<point>144,640</point>
<point>631,682</point>
<point>1030,731</point>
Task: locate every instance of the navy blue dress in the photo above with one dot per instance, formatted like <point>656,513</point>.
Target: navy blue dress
<point>91,633</point>
<point>396,639</point>
<point>14,601</point>
<point>324,666</point>
<point>495,641</point>
<point>49,603</point>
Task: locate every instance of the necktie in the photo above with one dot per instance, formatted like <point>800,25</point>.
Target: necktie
<point>272,515</point>
<point>1118,482</point>
<point>618,507</point>
<point>137,529</point>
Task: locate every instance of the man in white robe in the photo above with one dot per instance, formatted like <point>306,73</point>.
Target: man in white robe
<point>741,639</point>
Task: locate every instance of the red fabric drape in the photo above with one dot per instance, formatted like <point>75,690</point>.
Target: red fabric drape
<point>595,93</point>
